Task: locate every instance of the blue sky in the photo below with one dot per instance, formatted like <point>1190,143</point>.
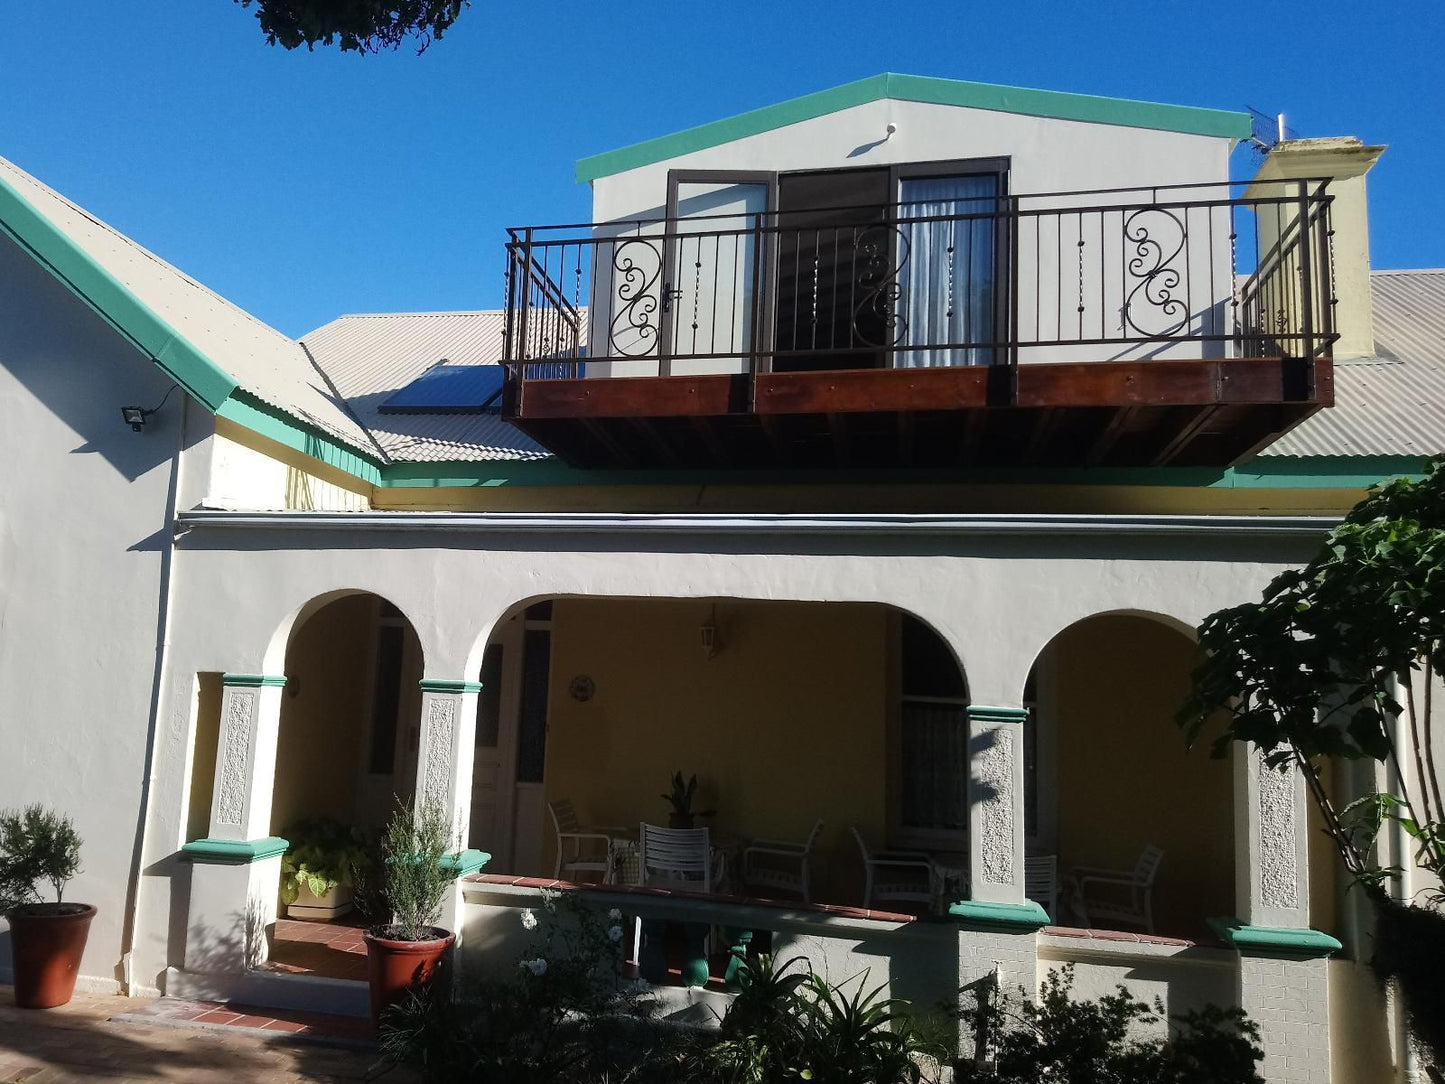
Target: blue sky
<point>303,186</point>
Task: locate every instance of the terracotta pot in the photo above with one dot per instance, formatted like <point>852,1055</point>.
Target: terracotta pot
<point>47,941</point>
<point>394,967</point>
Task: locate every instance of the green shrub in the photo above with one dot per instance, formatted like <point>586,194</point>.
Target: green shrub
<point>1084,1042</point>
<point>416,880</point>
<point>37,845</point>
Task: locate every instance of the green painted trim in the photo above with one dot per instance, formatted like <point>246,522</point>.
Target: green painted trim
<point>440,685</point>
<point>140,325</point>
<point>265,420</point>
<point>235,852</point>
<point>1275,939</point>
<point>1018,916</point>
<point>1272,472</point>
<point>253,681</point>
<point>1095,109</point>
<point>983,713</point>
<point>466,862</point>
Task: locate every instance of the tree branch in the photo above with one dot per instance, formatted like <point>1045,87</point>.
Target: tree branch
<point>1355,863</point>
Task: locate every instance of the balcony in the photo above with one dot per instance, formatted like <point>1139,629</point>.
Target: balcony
<point>1172,326</point>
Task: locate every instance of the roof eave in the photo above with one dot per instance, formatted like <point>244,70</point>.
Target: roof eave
<point>1223,124</point>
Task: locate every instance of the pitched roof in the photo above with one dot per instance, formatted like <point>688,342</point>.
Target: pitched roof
<point>916,88</point>
<point>1394,403</point>
<point>369,357</point>
<point>205,343</point>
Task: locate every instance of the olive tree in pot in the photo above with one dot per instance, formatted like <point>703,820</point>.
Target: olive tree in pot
<point>38,846</point>
<point>407,952</point>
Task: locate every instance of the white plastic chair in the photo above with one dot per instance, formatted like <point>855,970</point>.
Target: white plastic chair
<point>780,865</point>
<point>679,859</point>
<point>1041,882</point>
<point>1128,895</point>
<point>571,832</point>
<point>906,876</point>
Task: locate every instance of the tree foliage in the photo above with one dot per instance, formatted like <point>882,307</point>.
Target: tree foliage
<point>362,26</point>
<point>1343,660</point>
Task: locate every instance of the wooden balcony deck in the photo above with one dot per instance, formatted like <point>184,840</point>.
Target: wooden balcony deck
<point>1195,413</point>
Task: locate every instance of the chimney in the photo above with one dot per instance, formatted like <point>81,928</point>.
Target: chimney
<point>1344,161</point>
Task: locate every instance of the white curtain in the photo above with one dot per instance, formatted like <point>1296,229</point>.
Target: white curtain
<point>947,278</point>
<point>935,766</point>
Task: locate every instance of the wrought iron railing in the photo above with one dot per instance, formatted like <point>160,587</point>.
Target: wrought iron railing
<point>1174,271</point>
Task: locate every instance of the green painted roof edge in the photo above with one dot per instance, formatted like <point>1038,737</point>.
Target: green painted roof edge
<point>114,302</point>
<point>1273,472</point>
<point>235,852</point>
<point>444,685</point>
<point>467,862</point>
<point>1021,916</point>
<point>1279,939</point>
<point>254,681</point>
<point>263,419</point>
<point>1060,105</point>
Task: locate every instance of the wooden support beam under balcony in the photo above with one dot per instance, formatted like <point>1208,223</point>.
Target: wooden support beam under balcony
<point>1201,412</point>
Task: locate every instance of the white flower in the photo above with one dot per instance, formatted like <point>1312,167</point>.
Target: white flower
<point>538,967</point>
<point>615,915</point>
<point>529,920</point>
<point>614,933</point>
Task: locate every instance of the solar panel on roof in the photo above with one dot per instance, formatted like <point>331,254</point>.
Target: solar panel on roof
<point>450,389</point>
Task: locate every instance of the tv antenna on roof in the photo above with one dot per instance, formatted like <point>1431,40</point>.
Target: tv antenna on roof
<point>1266,130</point>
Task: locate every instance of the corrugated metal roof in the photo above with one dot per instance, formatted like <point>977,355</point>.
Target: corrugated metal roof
<point>370,357</point>
<point>1393,404</point>
<point>259,358</point>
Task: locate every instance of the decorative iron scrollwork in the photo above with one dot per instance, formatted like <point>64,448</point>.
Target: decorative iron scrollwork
<point>876,278</point>
<point>638,263</point>
<point>1152,264</point>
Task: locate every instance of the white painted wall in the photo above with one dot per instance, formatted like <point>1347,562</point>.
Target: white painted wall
<point>83,550</point>
<point>998,599</point>
<point>1047,156</point>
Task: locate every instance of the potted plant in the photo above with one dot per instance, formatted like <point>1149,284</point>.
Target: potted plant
<point>682,815</point>
<point>408,951</point>
<point>47,939</point>
<point>316,871</point>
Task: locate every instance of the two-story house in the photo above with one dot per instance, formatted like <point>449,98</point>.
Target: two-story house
<point>871,455</point>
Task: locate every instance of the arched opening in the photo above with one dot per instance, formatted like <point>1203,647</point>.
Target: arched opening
<point>787,712</point>
<point>346,753</point>
<point>1107,775</point>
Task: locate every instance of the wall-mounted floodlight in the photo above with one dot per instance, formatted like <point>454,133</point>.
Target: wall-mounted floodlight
<point>136,417</point>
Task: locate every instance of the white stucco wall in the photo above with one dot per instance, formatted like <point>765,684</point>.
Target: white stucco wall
<point>997,598</point>
<point>1071,278</point>
<point>83,544</point>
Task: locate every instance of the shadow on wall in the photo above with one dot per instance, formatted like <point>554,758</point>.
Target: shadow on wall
<point>80,369</point>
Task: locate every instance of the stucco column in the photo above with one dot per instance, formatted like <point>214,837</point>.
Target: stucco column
<point>246,756</point>
<point>444,773</point>
<point>996,804</point>
<point>236,870</point>
<point>1283,981</point>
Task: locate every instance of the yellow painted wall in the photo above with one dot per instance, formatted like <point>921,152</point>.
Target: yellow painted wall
<point>787,723</point>
<point>324,726</point>
<point>1124,776</point>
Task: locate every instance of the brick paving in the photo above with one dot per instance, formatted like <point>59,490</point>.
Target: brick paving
<point>333,949</point>
<point>116,1039</point>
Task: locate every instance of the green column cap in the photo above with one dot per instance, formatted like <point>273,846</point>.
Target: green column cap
<point>438,685</point>
<point>235,852</point>
<point>985,713</point>
<point>252,681</point>
<point>466,862</point>
<point>1016,916</point>
<point>1277,939</point>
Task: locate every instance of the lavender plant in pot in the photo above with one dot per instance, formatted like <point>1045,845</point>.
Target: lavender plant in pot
<point>410,950</point>
<point>39,846</point>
